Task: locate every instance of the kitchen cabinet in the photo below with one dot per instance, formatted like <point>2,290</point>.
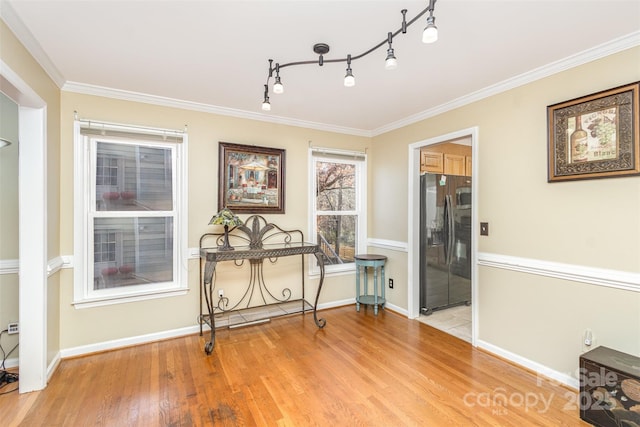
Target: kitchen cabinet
<point>454,164</point>
<point>446,158</point>
<point>431,162</point>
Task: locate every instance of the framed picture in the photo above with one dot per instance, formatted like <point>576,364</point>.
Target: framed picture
<point>251,178</point>
<point>595,136</point>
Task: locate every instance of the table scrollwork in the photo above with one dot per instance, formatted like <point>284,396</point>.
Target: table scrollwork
<point>256,242</point>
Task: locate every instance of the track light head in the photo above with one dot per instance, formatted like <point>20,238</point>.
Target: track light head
<point>277,86</point>
<point>266,105</point>
<point>391,63</point>
<point>430,33</point>
<point>349,79</point>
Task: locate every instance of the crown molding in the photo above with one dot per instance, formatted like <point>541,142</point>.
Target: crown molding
<point>597,52</point>
<point>15,24</point>
<point>205,108</point>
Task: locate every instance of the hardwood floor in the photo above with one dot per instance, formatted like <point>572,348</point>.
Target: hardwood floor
<point>361,370</point>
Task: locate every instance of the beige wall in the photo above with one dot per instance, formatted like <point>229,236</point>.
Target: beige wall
<point>86,326</point>
<point>9,179</point>
<point>592,223</point>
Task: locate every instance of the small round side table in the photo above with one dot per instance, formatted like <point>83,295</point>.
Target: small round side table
<point>376,262</point>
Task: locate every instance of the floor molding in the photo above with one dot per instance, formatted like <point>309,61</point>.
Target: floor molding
<point>84,350</point>
<point>536,367</point>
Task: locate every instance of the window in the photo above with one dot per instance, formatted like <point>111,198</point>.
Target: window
<point>338,203</point>
<point>130,231</point>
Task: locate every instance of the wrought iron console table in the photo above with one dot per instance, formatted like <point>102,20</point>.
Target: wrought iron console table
<point>262,241</point>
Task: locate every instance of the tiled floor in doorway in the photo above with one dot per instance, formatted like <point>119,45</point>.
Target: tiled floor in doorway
<point>455,321</point>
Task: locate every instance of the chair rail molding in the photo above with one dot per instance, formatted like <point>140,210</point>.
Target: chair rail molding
<point>393,245</point>
<point>576,273</point>
<point>9,266</point>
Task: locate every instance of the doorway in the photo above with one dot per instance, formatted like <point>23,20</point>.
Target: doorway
<point>32,229</point>
<point>463,316</point>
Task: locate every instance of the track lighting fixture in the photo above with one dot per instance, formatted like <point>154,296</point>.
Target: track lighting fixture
<point>391,63</point>
<point>429,35</point>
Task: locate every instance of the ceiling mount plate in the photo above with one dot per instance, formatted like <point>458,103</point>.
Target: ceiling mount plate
<point>321,48</point>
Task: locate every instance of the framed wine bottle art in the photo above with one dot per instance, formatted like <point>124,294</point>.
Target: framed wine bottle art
<point>595,136</point>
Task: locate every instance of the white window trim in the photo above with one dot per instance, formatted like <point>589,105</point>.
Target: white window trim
<point>333,155</point>
<point>83,295</point>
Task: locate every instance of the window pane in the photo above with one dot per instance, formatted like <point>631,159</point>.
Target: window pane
<point>335,186</point>
<point>130,177</point>
<point>337,235</point>
<point>132,251</point>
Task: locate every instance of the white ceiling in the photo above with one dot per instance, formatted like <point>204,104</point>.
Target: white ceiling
<point>213,54</point>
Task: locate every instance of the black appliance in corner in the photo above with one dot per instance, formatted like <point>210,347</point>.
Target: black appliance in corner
<point>445,241</point>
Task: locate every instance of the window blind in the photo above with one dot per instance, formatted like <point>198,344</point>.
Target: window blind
<point>93,127</point>
<point>337,153</point>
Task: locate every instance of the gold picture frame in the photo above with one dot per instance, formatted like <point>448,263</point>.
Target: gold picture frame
<point>251,179</point>
<point>595,136</point>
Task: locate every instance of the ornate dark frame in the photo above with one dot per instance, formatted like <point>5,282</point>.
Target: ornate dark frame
<point>627,162</point>
<point>228,190</point>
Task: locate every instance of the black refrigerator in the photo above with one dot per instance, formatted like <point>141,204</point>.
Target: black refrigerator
<point>445,241</point>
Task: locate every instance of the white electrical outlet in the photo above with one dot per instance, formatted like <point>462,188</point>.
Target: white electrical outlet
<point>589,341</point>
<point>13,328</point>
<point>220,293</point>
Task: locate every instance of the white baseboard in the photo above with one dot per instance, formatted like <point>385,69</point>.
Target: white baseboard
<point>53,366</point>
<point>157,336</point>
<point>536,367</point>
<point>127,342</point>
<point>352,301</point>
<point>397,309</point>
<point>334,304</point>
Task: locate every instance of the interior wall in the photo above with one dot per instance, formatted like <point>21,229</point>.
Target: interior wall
<point>80,326</point>
<point>9,221</point>
<point>591,223</point>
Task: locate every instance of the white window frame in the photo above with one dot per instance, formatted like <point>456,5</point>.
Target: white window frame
<point>85,295</point>
<point>359,160</point>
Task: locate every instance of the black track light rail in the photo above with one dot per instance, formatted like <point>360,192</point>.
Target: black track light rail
<point>321,60</point>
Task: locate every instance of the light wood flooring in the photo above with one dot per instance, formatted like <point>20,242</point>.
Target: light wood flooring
<point>360,370</point>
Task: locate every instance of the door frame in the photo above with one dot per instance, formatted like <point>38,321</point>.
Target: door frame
<point>32,229</point>
<point>413,236</point>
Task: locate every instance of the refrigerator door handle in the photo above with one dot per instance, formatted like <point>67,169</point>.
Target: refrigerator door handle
<point>452,228</point>
<point>450,231</point>
<point>446,231</point>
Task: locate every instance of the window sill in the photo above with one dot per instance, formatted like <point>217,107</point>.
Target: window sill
<point>99,302</point>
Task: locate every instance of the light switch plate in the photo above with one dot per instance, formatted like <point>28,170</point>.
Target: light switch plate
<point>484,228</point>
